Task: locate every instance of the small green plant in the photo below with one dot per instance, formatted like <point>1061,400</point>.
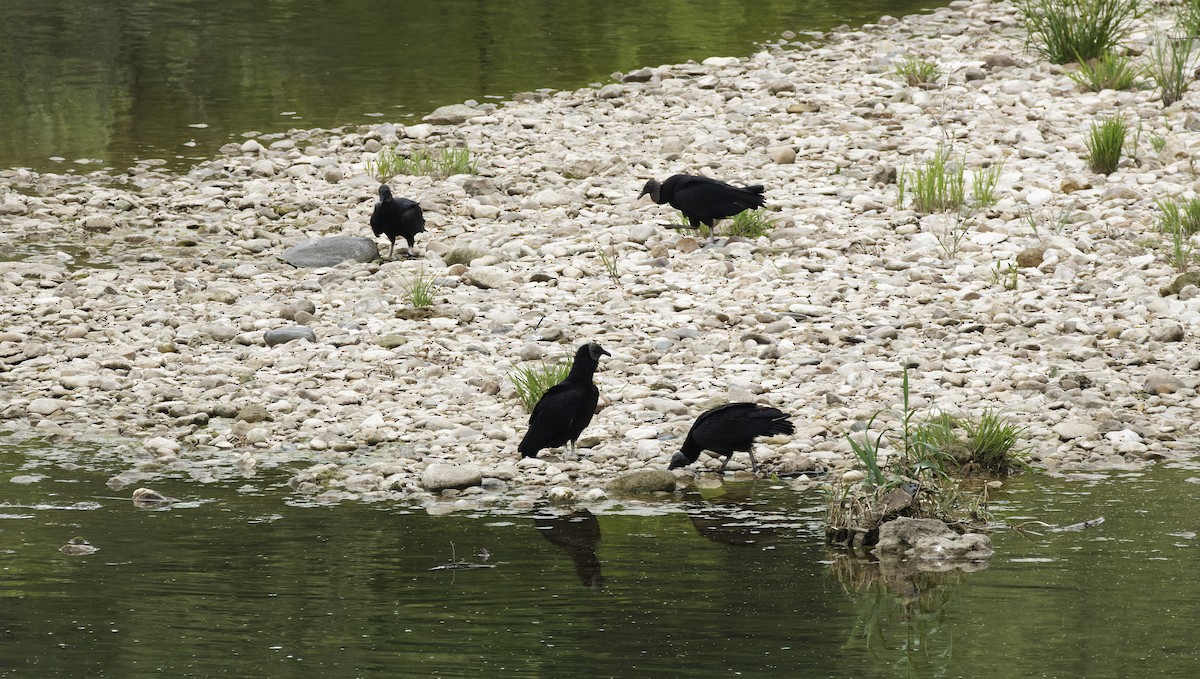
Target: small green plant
<point>938,186</point>
<point>950,238</point>
<point>421,289</point>
<point>1005,275</point>
<point>984,183</point>
<point>917,71</point>
<point>1168,68</point>
<point>1179,222</point>
<point>1069,30</point>
<point>993,443</point>
<point>1107,72</point>
<point>533,381</point>
<point>752,223</point>
<point>1158,143</point>
<point>461,256</point>
<point>443,162</point>
<point>1057,222</point>
<point>609,260</point>
<point>384,165</point>
<point>1179,217</point>
<point>1182,251</point>
<point>1104,144</point>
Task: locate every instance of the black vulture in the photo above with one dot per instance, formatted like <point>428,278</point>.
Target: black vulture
<point>728,428</point>
<point>703,200</point>
<point>566,408</point>
<point>396,217</point>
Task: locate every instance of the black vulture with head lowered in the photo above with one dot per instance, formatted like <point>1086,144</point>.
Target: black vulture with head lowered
<point>730,428</point>
<point>563,412</point>
<point>703,200</point>
<point>395,217</point>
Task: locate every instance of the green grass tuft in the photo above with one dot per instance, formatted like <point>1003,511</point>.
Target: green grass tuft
<point>421,289</point>
<point>993,443</point>
<point>1169,60</point>
<point>938,186</point>
<point>533,381</point>
<point>752,224</point>
<point>442,162</point>
<point>1078,30</point>
<point>918,71</point>
<point>1104,144</point>
<point>984,183</point>
<point>1107,72</point>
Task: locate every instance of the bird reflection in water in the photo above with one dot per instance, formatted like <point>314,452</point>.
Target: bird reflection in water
<point>576,534</point>
<point>730,519</point>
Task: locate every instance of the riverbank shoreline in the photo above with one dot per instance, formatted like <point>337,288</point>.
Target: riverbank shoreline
<point>136,315</point>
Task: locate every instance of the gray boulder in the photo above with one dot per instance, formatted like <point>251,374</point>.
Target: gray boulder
<point>330,251</point>
<point>931,539</point>
<point>439,476</point>
<point>454,114</point>
<point>285,335</point>
<point>642,482</point>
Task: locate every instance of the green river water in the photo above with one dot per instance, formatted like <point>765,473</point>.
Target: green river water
<point>242,578</point>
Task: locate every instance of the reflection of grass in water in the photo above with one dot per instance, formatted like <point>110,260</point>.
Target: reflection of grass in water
<point>901,619</point>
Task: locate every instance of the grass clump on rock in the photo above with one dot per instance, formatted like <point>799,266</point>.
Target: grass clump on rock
<point>1104,142</point>
<point>1078,30</point>
<point>533,381</point>
<point>914,475</point>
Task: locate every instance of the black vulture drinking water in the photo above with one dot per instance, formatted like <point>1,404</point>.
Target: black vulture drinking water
<point>397,217</point>
<point>729,428</point>
<point>703,200</point>
<point>567,407</point>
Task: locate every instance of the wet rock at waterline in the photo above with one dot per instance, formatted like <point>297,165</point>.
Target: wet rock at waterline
<point>144,498</point>
<point>931,540</point>
<point>331,251</point>
<point>78,547</point>
<point>643,482</point>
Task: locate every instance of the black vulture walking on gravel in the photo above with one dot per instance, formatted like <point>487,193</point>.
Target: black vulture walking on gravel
<point>566,408</point>
<point>397,217</point>
<point>729,428</point>
<point>703,200</point>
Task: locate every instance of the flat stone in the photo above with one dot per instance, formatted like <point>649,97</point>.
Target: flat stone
<point>454,114</point>
<point>45,406</point>
<point>331,251</point>
<point>284,335</point>
<point>1068,431</point>
<point>439,476</point>
<point>1162,383</point>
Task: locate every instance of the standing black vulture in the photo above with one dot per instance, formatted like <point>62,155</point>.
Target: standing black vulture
<point>566,408</point>
<point>397,217</point>
<point>729,428</point>
<point>703,200</point>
